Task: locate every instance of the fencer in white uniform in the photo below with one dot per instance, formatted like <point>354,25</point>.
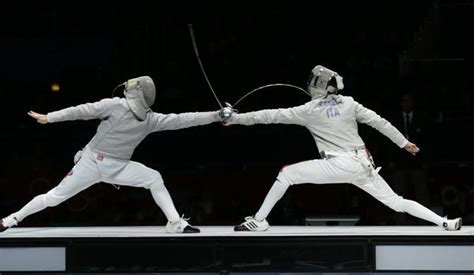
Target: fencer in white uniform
<point>125,122</point>
<point>332,120</point>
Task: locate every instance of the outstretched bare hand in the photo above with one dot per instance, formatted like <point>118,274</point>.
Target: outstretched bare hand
<point>40,118</point>
<point>412,148</point>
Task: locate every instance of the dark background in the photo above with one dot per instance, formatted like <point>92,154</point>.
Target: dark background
<point>215,174</point>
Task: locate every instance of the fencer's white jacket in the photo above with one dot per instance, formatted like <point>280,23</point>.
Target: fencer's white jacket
<point>120,132</point>
<point>332,121</point>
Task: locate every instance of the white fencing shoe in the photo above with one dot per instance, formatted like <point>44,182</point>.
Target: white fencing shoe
<point>7,223</point>
<point>251,224</point>
<point>181,226</point>
<point>452,225</point>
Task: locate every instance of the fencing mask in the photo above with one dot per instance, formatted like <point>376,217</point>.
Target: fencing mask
<point>323,81</point>
<point>140,95</point>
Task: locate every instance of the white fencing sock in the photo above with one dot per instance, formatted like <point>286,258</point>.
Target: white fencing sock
<point>163,199</point>
<point>415,209</point>
<point>274,195</point>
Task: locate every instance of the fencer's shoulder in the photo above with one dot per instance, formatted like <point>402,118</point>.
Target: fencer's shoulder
<point>332,98</point>
<point>347,98</point>
<point>115,101</point>
<point>114,104</point>
<point>154,116</point>
<point>308,106</point>
<point>311,103</point>
<point>110,101</point>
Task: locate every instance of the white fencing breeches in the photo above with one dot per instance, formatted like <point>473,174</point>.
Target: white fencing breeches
<point>343,167</point>
<point>93,168</point>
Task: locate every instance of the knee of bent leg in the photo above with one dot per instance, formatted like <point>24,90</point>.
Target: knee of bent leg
<point>157,185</point>
<point>154,181</point>
<point>284,176</point>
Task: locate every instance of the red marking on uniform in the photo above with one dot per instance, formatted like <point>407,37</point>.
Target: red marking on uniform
<point>290,164</point>
<point>70,173</point>
<point>368,152</point>
<point>100,157</point>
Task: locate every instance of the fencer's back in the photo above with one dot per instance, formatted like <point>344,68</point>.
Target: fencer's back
<point>333,123</point>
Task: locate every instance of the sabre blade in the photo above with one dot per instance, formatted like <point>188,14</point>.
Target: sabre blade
<point>268,86</point>
<point>193,39</point>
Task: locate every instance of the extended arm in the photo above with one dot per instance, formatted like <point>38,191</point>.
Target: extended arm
<point>96,110</point>
<point>369,117</point>
<point>162,122</point>
<point>295,115</point>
